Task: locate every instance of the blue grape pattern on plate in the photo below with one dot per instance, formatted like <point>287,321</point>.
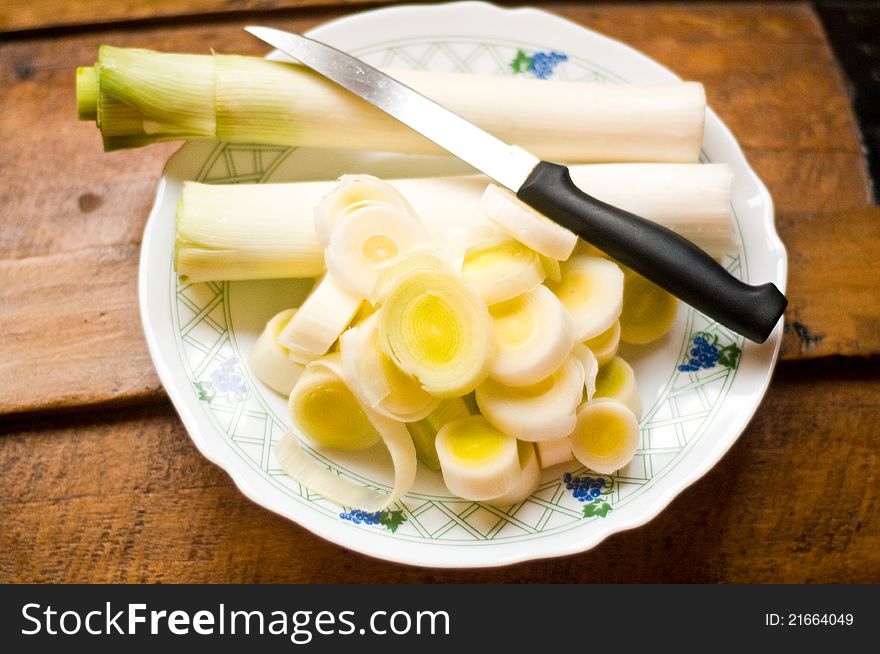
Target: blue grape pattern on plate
<point>225,380</point>
<point>391,520</point>
<point>706,353</point>
<point>588,490</point>
<point>539,64</point>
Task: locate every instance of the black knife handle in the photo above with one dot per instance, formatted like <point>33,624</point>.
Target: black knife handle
<point>667,259</point>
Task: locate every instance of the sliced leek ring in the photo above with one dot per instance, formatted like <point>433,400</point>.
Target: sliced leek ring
<point>604,346</point>
<point>591,289</point>
<point>648,311</point>
<point>533,335</point>
<point>319,321</point>
<point>362,368</point>
<point>453,245</point>
<point>616,380</point>
<point>591,368</point>
<point>437,329</point>
<point>606,435</point>
<point>393,270</point>
<point>325,411</point>
<point>501,268</point>
<point>551,453</point>
<point>376,381</point>
<point>530,477</point>
<point>315,476</point>
<point>366,236</point>
<point>478,461</point>
<point>539,412</point>
<point>348,192</point>
<point>270,361</point>
<point>424,431</point>
<point>408,401</point>
<point>328,415</point>
<point>526,225</point>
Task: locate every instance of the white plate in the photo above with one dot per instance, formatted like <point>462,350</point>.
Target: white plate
<point>200,334</point>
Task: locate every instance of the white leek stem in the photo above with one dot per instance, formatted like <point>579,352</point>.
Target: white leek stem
<point>253,100</point>
<point>224,233</point>
<point>262,231</point>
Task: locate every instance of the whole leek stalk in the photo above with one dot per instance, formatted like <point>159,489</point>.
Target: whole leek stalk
<point>138,97</point>
<point>265,231</point>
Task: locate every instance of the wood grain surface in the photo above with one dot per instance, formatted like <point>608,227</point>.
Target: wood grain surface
<point>21,15</point>
<point>97,475</point>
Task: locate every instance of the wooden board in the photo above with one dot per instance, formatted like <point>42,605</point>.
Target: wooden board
<point>795,500</point>
<point>833,290</point>
<point>20,15</point>
<point>72,332</point>
<point>94,487</point>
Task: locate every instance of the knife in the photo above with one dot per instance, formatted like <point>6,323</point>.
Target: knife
<point>655,252</point>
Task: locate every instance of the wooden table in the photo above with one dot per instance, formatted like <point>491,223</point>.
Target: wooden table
<point>99,481</point>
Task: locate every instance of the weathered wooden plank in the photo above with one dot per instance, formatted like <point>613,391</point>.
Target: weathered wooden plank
<point>812,182</point>
<point>103,499</point>
<point>763,21</point>
<point>783,21</point>
<point>19,15</point>
<point>72,332</point>
<point>835,304</point>
<point>691,22</point>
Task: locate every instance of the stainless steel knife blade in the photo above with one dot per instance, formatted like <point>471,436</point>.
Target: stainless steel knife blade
<point>506,164</point>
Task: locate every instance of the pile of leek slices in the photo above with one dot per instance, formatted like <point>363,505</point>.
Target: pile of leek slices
<point>487,355</point>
